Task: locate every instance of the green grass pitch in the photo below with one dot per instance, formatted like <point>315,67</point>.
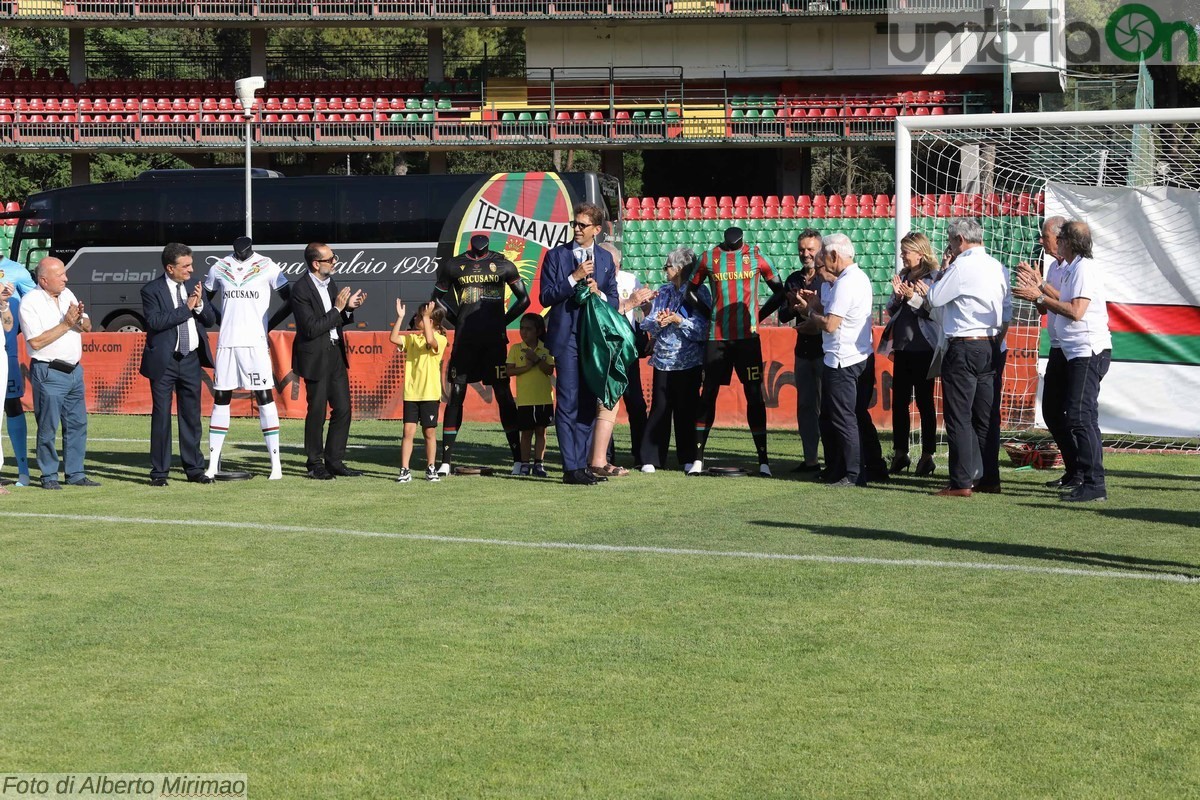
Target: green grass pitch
<point>657,636</point>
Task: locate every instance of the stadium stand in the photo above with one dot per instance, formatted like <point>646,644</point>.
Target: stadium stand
<point>653,226</point>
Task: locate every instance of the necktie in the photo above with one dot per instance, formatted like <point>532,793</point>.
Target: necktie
<point>185,342</point>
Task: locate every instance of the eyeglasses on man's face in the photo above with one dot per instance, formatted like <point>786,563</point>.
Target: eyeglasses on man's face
<point>333,259</point>
<point>577,225</point>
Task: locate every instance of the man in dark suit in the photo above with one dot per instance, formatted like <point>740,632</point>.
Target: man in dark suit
<point>321,311</point>
<point>566,266</point>
<point>176,349</point>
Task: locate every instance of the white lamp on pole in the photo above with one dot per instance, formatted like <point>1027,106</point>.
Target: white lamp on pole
<point>245,89</point>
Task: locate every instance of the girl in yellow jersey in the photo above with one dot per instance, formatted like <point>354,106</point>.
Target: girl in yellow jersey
<point>532,365</point>
<point>424,344</point>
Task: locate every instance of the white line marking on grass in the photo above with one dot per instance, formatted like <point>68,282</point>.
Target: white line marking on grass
<point>622,548</point>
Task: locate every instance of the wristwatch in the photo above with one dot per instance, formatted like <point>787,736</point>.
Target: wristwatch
<point>1041,299</point>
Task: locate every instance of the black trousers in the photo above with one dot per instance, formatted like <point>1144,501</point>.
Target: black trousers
<point>910,368</point>
<point>182,379</point>
<point>674,398</point>
<point>329,393</point>
<point>1054,407</point>
<point>635,410</point>
<point>968,400</point>
<point>1083,414</point>
<point>846,426</point>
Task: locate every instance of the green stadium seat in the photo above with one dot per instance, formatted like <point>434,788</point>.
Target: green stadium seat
<point>427,104</point>
<point>508,116</point>
<point>541,116</point>
<point>737,114</point>
<point>524,116</point>
<point>443,104</point>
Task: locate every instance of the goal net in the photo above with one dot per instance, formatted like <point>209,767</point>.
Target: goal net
<point>1134,177</point>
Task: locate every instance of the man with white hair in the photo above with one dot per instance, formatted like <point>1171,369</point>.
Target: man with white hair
<point>1031,284</point>
<point>1079,316</point>
<point>975,295</point>
<point>842,312</point>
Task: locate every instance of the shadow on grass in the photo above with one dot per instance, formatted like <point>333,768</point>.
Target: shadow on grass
<point>1155,477</point>
<point>1170,516</point>
<point>1038,552</point>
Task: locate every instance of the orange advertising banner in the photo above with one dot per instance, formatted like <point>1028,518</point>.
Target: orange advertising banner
<point>114,385</point>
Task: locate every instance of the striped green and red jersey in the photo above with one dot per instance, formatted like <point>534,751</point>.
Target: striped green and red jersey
<point>733,277</point>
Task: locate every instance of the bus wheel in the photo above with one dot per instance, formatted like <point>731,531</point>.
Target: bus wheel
<point>125,323</point>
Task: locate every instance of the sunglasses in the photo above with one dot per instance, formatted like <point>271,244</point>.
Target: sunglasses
<point>580,225</point>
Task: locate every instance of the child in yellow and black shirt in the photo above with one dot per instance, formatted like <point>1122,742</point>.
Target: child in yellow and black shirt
<point>532,365</point>
<point>424,344</point>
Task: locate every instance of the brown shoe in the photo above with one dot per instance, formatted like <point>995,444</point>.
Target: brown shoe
<point>951,491</point>
<point>991,488</point>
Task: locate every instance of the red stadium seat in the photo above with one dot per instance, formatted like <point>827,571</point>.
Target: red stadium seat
<point>741,201</point>
<point>725,202</point>
<point>595,116</point>
<point>694,202</point>
<point>710,202</point>
<point>756,200</point>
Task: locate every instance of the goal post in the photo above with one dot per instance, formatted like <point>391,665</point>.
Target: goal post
<point>1134,176</point>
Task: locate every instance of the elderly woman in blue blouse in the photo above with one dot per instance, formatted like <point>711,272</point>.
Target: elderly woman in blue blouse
<point>678,360</point>
<point>913,337</point>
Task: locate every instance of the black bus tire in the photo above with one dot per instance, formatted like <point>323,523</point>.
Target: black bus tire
<point>125,323</point>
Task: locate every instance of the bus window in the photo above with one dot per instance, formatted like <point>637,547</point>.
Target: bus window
<point>202,214</point>
<point>293,214</point>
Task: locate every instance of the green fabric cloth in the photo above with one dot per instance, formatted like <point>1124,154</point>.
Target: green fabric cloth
<point>606,346</point>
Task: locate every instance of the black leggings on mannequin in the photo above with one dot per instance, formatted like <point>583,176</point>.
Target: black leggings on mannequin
<point>452,418</point>
<point>756,415</point>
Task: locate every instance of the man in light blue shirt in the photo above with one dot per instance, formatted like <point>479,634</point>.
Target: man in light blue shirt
<point>18,431</point>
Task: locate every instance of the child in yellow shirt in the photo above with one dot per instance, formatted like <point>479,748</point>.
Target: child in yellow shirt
<point>532,365</point>
<point>424,344</point>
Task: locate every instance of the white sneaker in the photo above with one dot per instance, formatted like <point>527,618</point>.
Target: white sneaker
<point>648,469</point>
<point>764,470</point>
<point>694,468</point>
<point>405,476</point>
<point>431,474</point>
<point>444,469</point>
<point>519,468</point>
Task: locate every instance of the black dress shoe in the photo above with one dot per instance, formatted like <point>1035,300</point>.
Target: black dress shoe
<point>579,477</point>
<point>201,478</point>
<point>802,467</point>
<point>318,475</point>
<point>83,482</point>
<point>843,483</point>
<point>597,477</point>
<point>342,471</point>
<point>158,481</point>
<point>1064,482</point>
<point>1085,494</point>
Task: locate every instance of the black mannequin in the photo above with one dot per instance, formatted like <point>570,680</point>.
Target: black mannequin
<point>480,338</point>
<point>479,245</point>
<point>733,239</point>
<point>742,351</point>
<point>243,247</point>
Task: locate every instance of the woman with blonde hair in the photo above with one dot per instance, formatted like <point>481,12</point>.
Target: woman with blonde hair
<point>913,336</point>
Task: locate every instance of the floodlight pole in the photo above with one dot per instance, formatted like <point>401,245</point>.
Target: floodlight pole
<point>245,89</point>
<point>249,216</point>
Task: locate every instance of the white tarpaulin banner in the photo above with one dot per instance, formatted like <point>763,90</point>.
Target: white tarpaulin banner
<point>1147,243</point>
